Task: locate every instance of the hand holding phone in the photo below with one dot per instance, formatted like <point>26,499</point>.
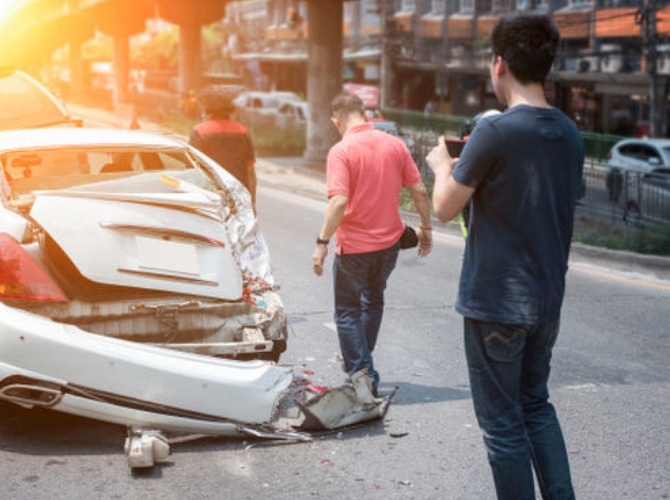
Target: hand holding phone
<point>454,146</point>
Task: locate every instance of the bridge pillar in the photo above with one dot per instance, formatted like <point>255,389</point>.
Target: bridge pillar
<point>324,75</point>
<point>190,16</point>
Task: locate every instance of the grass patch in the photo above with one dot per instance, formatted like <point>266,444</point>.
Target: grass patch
<point>407,202</point>
<point>278,142</point>
<point>651,240</point>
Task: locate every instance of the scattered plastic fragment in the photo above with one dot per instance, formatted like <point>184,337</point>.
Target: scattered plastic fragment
<point>319,389</point>
<point>398,434</point>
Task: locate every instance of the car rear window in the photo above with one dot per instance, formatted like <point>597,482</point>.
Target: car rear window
<point>64,168</point>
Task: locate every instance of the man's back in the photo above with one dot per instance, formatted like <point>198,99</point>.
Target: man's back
<point>526,165</point>
<point>370,167</point>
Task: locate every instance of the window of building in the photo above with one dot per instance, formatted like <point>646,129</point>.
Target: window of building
<point>606,4</point>
<point>579,3</point>
<point>408,5</point>
<point>531,5</point>
<point>500,5</point>
<point>467,6</point>
<point>349,10</point>
<point>438,8</point>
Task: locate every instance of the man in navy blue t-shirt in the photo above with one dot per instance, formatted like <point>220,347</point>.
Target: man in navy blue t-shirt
<point>522,171</point>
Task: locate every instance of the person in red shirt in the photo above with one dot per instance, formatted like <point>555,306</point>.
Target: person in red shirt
<point>224,140</point>
<point>366,171</point>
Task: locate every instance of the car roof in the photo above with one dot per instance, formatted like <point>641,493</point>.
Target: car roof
<point>660,142</point>
<point>24,102</point>
<point>31,139</point>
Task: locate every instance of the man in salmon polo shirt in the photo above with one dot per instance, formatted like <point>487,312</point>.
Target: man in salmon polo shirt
<point>366,171</point>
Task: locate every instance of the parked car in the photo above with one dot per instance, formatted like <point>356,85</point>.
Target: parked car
<point>634,155</point>
<point>647,196</point>
<point>292,115</point>
<point>26,103</point>
<point>134,236</point>
<point>391,127</point>
<point>260,108</point>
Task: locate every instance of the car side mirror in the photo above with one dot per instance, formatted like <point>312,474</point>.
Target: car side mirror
<point>654,161</point>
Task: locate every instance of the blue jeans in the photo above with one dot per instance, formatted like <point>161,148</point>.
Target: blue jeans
<point>509,369</point>
<point>359,282</point>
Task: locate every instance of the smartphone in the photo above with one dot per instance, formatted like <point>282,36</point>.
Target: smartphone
<point>454,146</point>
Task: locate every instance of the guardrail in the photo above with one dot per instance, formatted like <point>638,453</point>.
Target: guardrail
<point>634,199</point>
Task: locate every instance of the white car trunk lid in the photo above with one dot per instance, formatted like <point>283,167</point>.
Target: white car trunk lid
<point>159,241</point>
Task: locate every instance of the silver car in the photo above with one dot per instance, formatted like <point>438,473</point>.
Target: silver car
<point>634,155</point>
<point>646,196</point>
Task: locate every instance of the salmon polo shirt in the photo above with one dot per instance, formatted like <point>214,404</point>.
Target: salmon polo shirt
<point>370,168</point>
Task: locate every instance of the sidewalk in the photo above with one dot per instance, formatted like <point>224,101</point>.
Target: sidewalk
<point>292,174</point>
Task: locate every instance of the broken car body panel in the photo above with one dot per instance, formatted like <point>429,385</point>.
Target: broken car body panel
<point>138,380</point>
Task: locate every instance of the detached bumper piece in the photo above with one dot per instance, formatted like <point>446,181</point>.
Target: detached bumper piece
<point>153,390</point>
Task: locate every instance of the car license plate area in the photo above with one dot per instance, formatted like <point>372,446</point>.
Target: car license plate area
<point>167,256</point>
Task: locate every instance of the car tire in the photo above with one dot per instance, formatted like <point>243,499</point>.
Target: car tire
<point>632,214</point>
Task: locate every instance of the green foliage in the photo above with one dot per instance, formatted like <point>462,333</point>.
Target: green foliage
<point>101,48</point>
<point>652,240</point>
<point>161,51</point>
<point>213,38</point>
<point>277,142</point>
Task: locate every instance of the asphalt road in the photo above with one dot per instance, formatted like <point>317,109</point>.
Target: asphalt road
<point>610,384</point>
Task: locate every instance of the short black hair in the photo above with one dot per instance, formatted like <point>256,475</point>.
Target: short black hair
<point>527,43</point>
<point>347,104</point>
<point>216,101</point>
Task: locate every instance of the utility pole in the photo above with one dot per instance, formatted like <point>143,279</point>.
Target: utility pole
<point>386,76</point>
<point>646,18</point>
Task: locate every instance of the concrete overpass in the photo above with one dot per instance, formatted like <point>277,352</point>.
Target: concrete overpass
<point>35,29</point>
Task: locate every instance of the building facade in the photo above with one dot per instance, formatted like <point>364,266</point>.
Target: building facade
<point>612,73</point>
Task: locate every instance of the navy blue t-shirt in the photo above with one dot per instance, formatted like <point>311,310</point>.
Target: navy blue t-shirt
<point>526,167</point>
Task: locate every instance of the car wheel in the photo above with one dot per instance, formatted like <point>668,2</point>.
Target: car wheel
<point>632,215</point>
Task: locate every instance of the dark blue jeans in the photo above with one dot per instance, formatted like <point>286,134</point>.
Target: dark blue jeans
<point>509,371</point>
<point>359,282</point>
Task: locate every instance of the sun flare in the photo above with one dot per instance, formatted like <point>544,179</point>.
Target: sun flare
<point>5,7</point>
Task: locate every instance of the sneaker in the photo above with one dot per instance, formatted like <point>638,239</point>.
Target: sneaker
<point>363,386</point>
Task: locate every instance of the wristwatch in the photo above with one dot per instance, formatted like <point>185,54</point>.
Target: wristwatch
<point>319,241</point>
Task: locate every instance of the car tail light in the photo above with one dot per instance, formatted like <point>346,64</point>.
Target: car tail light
<point>20,276</point>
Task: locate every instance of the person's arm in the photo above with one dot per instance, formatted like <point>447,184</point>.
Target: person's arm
<point>337,204</point>
<point>422,204</point>
<point>449,195</point>
<point>250,163</point>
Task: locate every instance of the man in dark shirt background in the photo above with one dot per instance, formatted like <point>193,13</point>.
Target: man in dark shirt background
<point>223,139</point>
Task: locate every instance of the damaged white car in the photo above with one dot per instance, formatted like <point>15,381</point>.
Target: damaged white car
<point>135,236</point>
<point>131,267</point>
